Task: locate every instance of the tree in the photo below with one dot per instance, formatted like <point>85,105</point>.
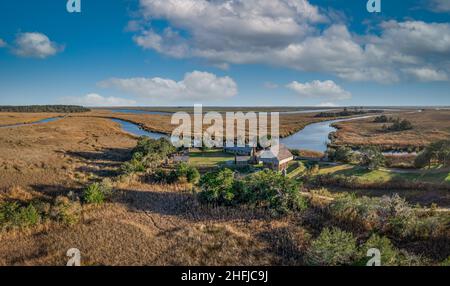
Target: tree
<point>372,158</point>
<point>437,152</point>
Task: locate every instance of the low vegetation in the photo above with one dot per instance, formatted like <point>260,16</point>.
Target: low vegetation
<point>44,108</point>
<point>347,112</point>
<point>369,157</point>
<point>266,189</point>
<point>398,125</point>
<point>15,214</point>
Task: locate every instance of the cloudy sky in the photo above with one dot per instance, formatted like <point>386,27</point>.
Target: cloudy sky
<point>225,52</point>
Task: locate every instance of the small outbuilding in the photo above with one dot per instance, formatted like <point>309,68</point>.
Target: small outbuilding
<point>276,160</point>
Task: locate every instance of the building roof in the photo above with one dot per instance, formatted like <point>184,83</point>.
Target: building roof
<point>272,154</point>
<point>247,149</point>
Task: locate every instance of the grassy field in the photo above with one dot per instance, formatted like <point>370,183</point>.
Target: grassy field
<point>429,126</point>
<point>385,175</point>
<point>11,118</point>
<point>209,158</point>
<point>145,223</point>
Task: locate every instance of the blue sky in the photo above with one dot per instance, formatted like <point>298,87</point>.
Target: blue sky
<point>278,52</point>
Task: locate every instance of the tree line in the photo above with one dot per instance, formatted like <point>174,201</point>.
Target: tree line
<point>44,108</point>
<point>347,112</point>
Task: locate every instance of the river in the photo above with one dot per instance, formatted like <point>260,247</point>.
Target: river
<point>137,130</point>
<point>47,120</point>
<point>315,136</point>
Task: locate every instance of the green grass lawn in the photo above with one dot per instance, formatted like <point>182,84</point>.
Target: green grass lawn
<point>210,158</point>
<point>383,176</point>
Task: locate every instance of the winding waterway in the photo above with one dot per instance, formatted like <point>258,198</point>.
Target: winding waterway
<point>47,120</point>
<point>137,130</point>
<point>315,137</point>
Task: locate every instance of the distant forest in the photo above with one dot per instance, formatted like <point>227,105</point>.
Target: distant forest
<point>45,108</point>
<point>347,112</point>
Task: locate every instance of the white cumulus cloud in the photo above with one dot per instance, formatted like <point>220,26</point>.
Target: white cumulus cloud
<point>93,99</point>
<point>194,86</point>
<point>293,34</point>
<point>35,45</point>
<point>427,74</point>
<point>317,88</point>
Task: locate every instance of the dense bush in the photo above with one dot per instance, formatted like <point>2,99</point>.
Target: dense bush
<point>267,189</point>
<point>150,147</point>
<point>182,173</point>
<point>97,193</point>
<point>132,166</point>
<point>13,215</point>
<point>333,247</point>
<point>218,187</point>
<point>398,125</point>
<point>148,153</point>
<point>387,215</point>
<point>93,194</point>
<point>188,173</point>
<point>371,158</point>
<point>271,189</point>
<point>342,154</point>
<point>381,119</point>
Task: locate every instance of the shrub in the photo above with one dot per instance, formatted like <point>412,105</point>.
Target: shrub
<point>273,190</point>
<point>381,119</point>
<point>190,173</point>
<point>372,158</point>
<point>332,247</point>
<point>389,255</point>
<point>147,146</point>
<point>398,125</point>
<point>395,215</point>
<point>217,187</point>
<point>163,176</point>
<point>12,215</point>
<point>94,194</point>
<point>66,211</point>
<point>133,166</point>
<point>342,154</point>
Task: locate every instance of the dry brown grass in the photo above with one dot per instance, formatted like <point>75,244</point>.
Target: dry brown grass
<point>61,155</point>
<point>429,126</point>
<point>11,118</point>
<point>145,224</point>
<point>160,225</point>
